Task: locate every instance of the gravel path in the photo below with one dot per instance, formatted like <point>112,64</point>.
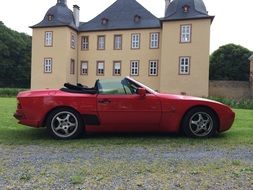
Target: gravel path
<point>125,167</point>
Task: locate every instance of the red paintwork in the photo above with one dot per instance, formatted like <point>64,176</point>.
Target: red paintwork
<point>123,113</point>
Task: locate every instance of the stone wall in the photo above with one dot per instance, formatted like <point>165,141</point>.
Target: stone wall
<point>231,89</point>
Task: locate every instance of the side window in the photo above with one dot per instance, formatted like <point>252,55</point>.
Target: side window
<point>48,65</point>
<point>154,40</point>
<point>73,40</point>
<point>84,67</point>
<point>48,41</point>
<point>185,33</point>
<point>116,68</point>
<point>101,43</point>
<point>117,87</point>
<point>72,66</point>
<point>100,68</point>
<point>134,68</point>
<point>85,43</point>
<point>135,41</point>
<point>184,65</point>
<point>117,42</point>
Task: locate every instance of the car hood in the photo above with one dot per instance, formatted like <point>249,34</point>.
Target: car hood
<point>183,97</point>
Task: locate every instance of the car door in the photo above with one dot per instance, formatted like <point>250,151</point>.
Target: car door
<point>122,109</point>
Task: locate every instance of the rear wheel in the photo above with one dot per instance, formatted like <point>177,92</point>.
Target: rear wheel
<point>65,123</point>
<point>200,122</point>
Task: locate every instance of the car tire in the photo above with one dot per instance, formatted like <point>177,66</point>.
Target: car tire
<point>65,123</point>
<point>200,122</point>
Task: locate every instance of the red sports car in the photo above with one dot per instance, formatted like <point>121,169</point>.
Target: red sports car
<point>120,105</point>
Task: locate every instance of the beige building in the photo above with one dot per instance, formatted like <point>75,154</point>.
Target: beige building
<point>170,54</point>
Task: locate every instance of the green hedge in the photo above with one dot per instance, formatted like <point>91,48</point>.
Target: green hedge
<point>10,92</point>
<point>235,103</point>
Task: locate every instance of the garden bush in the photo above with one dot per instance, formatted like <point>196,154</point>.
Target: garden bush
<point>242,103</point>
<point>10,92</point>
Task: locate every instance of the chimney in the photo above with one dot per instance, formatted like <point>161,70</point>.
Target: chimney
<point>62,2</point>
<point>76,11</point>
<point>167,3</point>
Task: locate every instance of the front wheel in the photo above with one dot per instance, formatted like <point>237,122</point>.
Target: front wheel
<point>64,123</point>
<point>200,122</point>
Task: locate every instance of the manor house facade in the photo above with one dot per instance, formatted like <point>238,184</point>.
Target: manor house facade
<point>169,54</point>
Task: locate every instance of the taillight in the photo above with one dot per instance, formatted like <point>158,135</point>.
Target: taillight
<point>19,105</point>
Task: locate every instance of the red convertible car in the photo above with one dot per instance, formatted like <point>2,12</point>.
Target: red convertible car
<point>120,105</point>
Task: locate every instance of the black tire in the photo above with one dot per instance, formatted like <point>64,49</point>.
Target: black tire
<point>65,123</point>
<point>200,122</point>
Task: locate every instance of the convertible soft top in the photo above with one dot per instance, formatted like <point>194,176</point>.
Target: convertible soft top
<point>79,88</point>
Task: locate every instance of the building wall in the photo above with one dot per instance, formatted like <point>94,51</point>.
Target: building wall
<point>230,89</point>
<point>109,55</point>
<point>61,54</point>
<point>196,83</point>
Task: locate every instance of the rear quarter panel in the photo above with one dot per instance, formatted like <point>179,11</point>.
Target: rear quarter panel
<point>37,105</point>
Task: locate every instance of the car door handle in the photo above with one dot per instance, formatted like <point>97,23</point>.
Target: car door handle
<point>104,101</point>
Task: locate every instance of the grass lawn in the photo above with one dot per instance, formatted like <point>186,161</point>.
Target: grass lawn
<point>12,133</point>
<point>31,159</point>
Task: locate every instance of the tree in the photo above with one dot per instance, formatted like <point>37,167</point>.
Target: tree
<point>15,58</point>
<point>230,62</point>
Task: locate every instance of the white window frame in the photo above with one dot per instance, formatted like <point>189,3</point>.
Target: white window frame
<point>101,43</point>
<point>135,41</point>
<point>154,40</point>
<point>48,39</point>
<point>73,40</point>
<point>117,42</point>
<point>84,67</point>
<point>184,65</point>
<point>134,68</point>
<point>153,68</point>
<point>72,66</point>
<point>85,43</point>
<point>185,33</point>
<point>117,68</point>
<point>48,65</point>
<point>100,68</point>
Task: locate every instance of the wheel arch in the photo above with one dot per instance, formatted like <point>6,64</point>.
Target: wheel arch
<point>44,121</point>
<point>200,106</point>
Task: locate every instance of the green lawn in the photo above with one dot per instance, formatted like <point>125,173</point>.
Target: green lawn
<point>12,133</point>
<point>19,166</point>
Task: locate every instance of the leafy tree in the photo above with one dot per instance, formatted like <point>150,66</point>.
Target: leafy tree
<point>15,58</point>
<point>230,62</point>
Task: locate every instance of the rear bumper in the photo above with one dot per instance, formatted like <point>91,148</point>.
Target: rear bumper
<point>24,121</point>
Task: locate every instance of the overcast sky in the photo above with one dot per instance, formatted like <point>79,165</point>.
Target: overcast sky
<point>233,21</point>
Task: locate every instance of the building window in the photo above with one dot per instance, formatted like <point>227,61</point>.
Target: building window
<point>185,34</point>
<point>135,41</point>
<point>100,68</point>
<point>85,43</point>
<point>184,66</point>
<point>153,68</point>
<point>48,65</point>
<point>73,40</point>
<point>116,68</point>
<point>118,42</point>
<point>101,42</point>
<point>84,68</point>
<point>48,39</point>
<point>72,66</point>
<point>154,40</point>
<point>134,68</point>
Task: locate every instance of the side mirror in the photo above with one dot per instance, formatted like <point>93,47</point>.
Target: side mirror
<point>141,92</point>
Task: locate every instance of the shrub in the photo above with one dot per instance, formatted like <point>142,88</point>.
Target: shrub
<point>10,92</point>
<point>235,103</point>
